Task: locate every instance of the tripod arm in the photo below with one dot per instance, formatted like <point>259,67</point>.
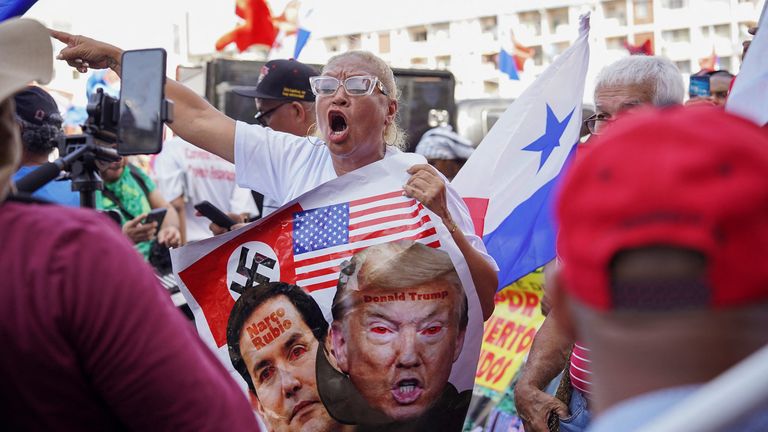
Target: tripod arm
<point>50,170</point>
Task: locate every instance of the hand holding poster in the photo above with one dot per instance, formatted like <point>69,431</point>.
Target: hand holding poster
<point>406,326</point>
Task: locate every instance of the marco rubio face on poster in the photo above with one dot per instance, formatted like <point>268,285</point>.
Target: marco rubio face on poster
<point>509,333</point>
<point>349,305</point>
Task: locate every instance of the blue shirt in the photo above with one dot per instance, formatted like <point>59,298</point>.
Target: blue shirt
<point>632,414</point>
<point>59,192</point>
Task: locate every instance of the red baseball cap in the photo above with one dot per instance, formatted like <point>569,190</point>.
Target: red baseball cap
<point>689,177</point>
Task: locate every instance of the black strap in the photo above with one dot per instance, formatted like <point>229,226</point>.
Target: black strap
<point>25,198</point>
<point>133,170</point>
<point>139,179</point>
<point>111,195</point>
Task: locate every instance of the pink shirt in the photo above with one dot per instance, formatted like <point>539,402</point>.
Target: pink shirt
<point>580,369</point>
<point>90,341</point>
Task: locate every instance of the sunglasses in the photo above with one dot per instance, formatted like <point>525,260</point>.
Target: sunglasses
<point>262,117</point>
<point>354,86</point>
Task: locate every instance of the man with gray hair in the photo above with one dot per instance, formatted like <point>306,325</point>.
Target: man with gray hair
<point>399,321</point>
<point>621,86</point>
<point>631,82</point>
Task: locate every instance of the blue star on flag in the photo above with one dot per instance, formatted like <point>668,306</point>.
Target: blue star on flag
<point>551,138</point>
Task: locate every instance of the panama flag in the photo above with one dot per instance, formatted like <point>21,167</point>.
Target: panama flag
<point>509,182</point>
<point>749,95</point>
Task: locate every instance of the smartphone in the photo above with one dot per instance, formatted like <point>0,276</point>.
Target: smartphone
<point>156,215</point>
<point>142,102</point>
<point>699,86</point>
<point>214,214</point>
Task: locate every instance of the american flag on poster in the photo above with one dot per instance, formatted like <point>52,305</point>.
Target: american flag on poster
<point>324,237</point>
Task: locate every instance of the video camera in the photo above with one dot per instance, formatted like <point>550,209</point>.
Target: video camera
<point>134,122</point>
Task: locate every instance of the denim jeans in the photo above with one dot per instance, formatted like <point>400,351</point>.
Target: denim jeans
<point>580,416</point>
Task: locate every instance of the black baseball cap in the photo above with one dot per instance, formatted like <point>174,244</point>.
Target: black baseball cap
<point>282,80</point>
<point>36,106</point>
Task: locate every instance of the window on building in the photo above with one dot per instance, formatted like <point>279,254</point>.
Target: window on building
<point>332,45</point>
<point>640,39</point>
<point>557,18</point>
<point>443,62</point>
<point>643,10</point>
<point>684,66</point>
<point>615,10</point>
<point>530,22</point>
<point>489,58</point>
<point>384,43</point>
<point>725,63</point>
<point>674,36</point>
<point>705,32</point>
<point>419,61</point>
<point>491,88</point>
<point>488,24</point>
<point>418,34</point>
<point>674,4</point>
<point>441,30</point>
<point>616,43</point>
<point>354,42</point>
<point>538,55</point>
<point>744,30</point>
<point>723,31</point>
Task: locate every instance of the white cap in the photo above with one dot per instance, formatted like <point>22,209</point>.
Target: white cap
<point>27,55</point>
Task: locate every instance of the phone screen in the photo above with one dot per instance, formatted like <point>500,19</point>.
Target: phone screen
<point>140,128</point>
<point>699,86</point>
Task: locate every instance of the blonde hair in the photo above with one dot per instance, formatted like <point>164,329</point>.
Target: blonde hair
<point>395,265</point>
<point>393,134</point>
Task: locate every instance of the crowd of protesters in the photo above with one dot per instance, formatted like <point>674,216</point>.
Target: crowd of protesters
<point>662,232</point>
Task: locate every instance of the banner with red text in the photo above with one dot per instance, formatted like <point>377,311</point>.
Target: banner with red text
<point>508,335</point>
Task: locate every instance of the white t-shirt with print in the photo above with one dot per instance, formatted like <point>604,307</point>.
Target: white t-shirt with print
<point>182,169</point>
<point>282,167</point>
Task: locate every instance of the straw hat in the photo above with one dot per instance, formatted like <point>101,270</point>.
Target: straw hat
<point>27,54</point>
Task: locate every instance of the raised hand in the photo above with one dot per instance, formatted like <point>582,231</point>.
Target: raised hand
<point>426,186</point>
<point>83,52</point>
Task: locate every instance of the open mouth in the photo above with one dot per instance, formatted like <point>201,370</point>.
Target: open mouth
<point>338,124</point>
<point>407,391</point>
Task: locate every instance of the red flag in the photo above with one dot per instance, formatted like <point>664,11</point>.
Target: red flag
<point>258,28</point>
<point>521,54</point>
<point>645,49</point>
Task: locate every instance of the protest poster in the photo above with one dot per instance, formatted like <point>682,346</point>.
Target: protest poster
<point>509,332</point>
<point>279,334</point>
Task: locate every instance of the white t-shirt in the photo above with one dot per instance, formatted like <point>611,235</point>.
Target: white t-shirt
<point>182,169</point>
<point>283,167</point>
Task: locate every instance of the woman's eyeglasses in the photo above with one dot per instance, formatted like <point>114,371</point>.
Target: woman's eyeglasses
<point>354,86</point>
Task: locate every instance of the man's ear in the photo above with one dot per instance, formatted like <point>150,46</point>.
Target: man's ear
<point>298,111</point>
<point>339,346</point>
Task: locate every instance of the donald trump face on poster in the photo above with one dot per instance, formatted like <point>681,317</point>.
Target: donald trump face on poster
<point>399,320</point>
